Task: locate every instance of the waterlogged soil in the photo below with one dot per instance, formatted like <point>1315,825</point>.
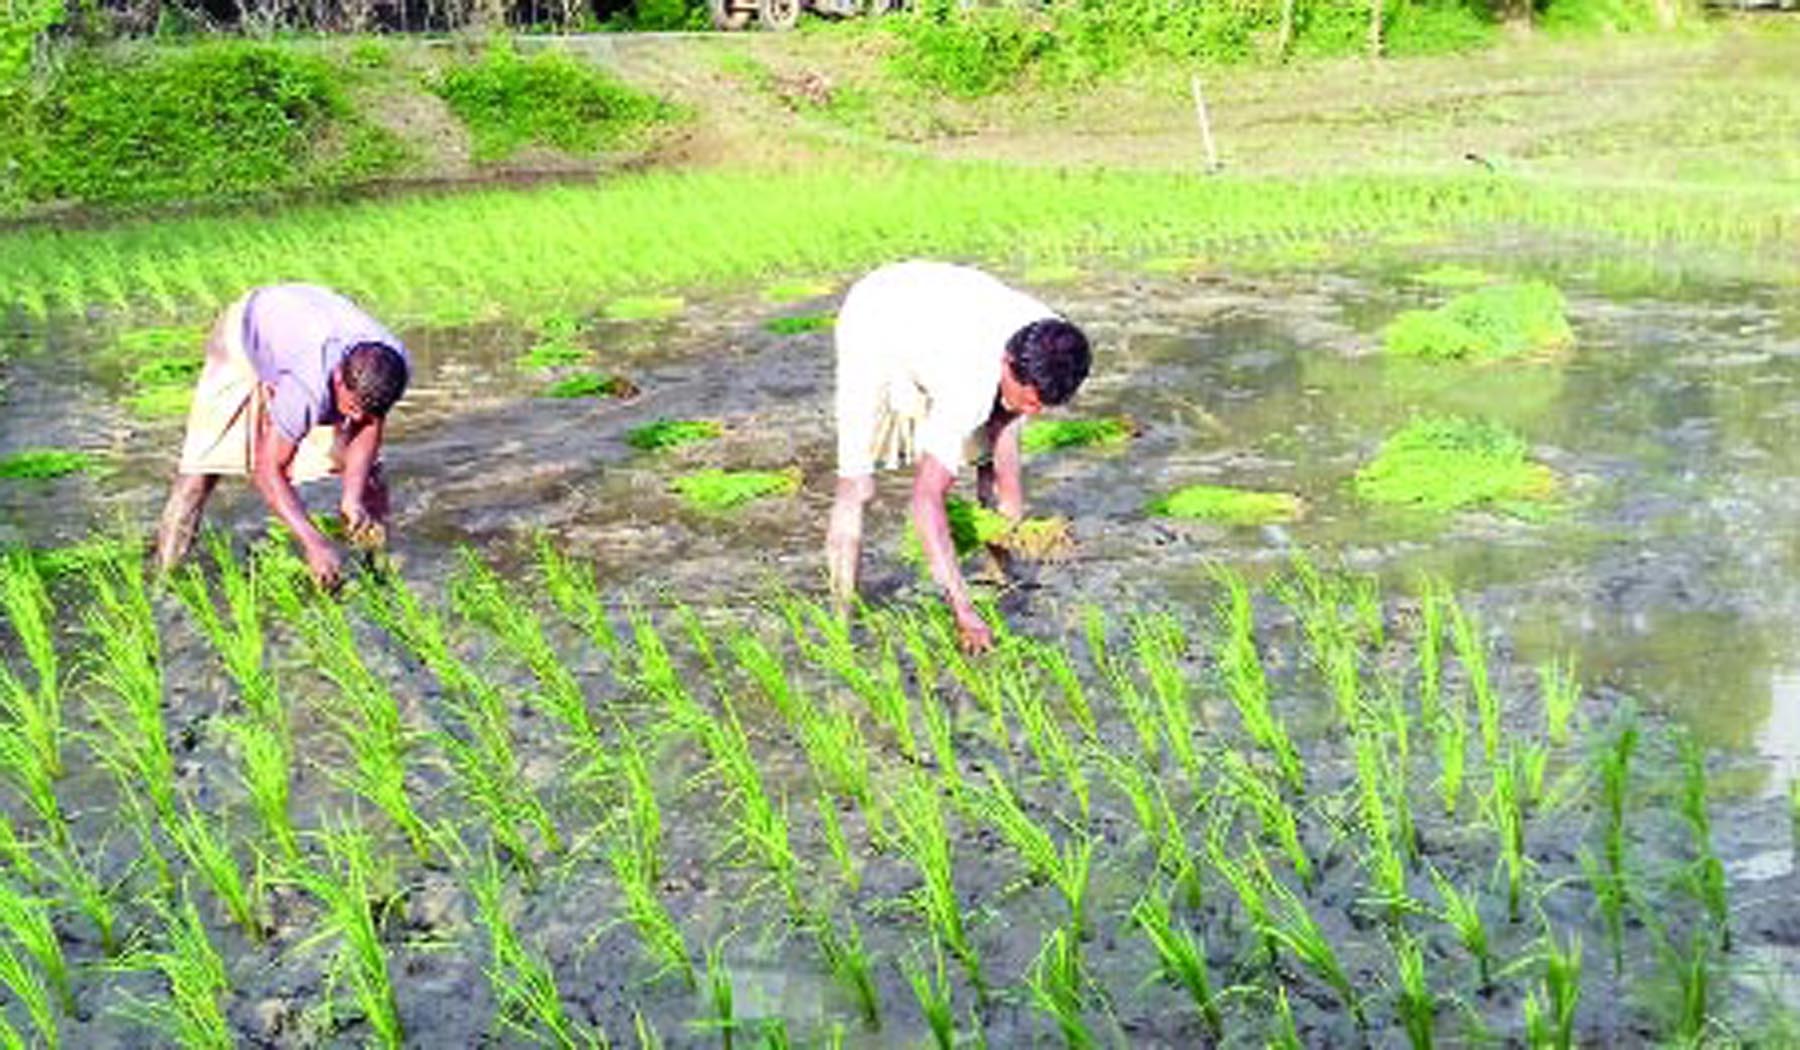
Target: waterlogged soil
<point>1667,567</point>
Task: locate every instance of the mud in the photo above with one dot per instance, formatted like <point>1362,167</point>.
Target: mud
<point>1670,570</point>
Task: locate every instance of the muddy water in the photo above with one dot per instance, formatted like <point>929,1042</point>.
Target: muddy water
<point>1670,568</point>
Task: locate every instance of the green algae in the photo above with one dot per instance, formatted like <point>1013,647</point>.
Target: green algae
<point>1496,323</point>
<point>1228,506</point>
<point>800,324</point>
<point>721,490</point>
<point>38,464</point>
<point>1050,435</point>
<point>1445,463</point>
<point>671,433</point>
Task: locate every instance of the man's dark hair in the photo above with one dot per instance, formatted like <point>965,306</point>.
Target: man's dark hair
<point>376,374</point>
<point>1050,356</point>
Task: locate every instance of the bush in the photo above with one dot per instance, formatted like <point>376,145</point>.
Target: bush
<point>221,120</point>
<point>549,99</point>
<point>1440,27</point>
<point>967,53</point>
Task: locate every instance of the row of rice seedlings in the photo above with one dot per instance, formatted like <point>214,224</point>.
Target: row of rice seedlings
<point>1055,753</point>
<point>1067,867</point>
<point>1471,650</point>
<point>1181,958</point>
<point>836,652</point>
<point>1060,987</point>
<point>207,850</point>
<point>661,935</point>
<point>364,713</point>
<point>350,888</point>
<point>237,633</point>
<point>522,980</point>
<point>26,920</point>
<point>576,594</point>
<point>1125,691</point>
<point>191,1015</point>
<point>266,758</point>
<point>127,669</point>
<point>923,838</point>
<point>1382,858</point>
<point>1158,642</point>
<point>1245,681</point>
<point>1707,873</point>
<point>33,715</point>
<point>1278,819</point>
<point>480,595</point>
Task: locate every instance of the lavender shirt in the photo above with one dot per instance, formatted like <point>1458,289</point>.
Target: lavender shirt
<point>295,335</point>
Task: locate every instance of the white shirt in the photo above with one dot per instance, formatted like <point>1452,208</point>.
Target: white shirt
<point>934,330</point>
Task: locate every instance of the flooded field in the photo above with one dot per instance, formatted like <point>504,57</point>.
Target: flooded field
<point>1105,764</point>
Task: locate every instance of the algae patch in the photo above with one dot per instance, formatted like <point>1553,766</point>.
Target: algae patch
<point>800,324</point>
<point>1489,324</point>
<point>671,433</point>
<point>1228,506</point>
<point>1049,435</point>
<point>1443,463</point>
<point>719,490</point>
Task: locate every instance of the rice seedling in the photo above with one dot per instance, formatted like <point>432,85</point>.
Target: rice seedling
<point>1227,506</point>
<point>208,852</point>
<point>1158,642</point>
<point>1174,854</point>
<point>850,964</point>
<point>1125,691</point>
<point>672,433</point>
<point>1561,691</point>
<point>835,747</point>
<point>523,983</point>
<point>22,763</point>
<point>1383,859</point>
<point>1278,819</point>
<point>1181,956</point>
<point>1610,898</point>
<point>658,930</point>
<point>1414,1002</point>
<point>27,987</point>
<point>715,491</point>
<point>1134,783</point>
<point>1562,990</point>
<point>1051,435</point>
<point>1058,986</point>
<point>924,840</point>
<point>1471,649</point>
<point>266,758</point>
<point>27,921</point>
<point>932,990</point>
<point>836,651</point>
<point>1452,740</point>
<point>237,633</point>
<point>643,814</point>
<point>348,889</point>
<point>1245,681</point>
<point>127,667</point>
<point>1055,662</point>
<point>1244,883</point>
<point>720,998</point>
<point>82,887</point>
<point>1067,868</point>
<point>1615,772</point>
<point>837,842</point>
<point>800,324</point>
<point>575,593</point>
<point>1049,744</point>
<point>37,713</point>
<point>1438,464</point>
<point>1286,1036</point>
<point>192,1015</point>
<point>1432,599</point>
<point>1462,913</point>
<point>43,464</point>
<point>1694,980</point>
<point>1707,874</point>
<point>1295,929</point>
<point>1505,813</point>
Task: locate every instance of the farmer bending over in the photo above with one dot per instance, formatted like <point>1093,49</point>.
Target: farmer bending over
<point>940,365</point>
<point>297,385</point>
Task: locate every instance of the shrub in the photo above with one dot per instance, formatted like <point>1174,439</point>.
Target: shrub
<point>550,99</point>
<point>218,120</point>
<point>968,53</point>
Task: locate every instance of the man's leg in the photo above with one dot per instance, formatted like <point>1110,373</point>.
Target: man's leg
<point>843,541</point>
<point>181,518</point>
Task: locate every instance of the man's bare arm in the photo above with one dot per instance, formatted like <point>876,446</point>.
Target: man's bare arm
<point>269,473</point>
<point>1009,481</point>
<point>362,448</point>
<point>931,484</point>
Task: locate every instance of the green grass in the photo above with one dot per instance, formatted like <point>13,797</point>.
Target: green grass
<point>1049,435</point>
<point>721,490</point>
<point>530,251</point>
<point>800,324</point>
<point>1228,506</point>
<point>1496,323</point>
<point>44,463</point>
<point>1447,463</point>
<point>673,433</point>
<point>591,384</point>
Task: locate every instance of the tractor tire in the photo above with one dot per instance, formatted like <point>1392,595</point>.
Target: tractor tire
<point>779,15</point>
<point>727,18</point>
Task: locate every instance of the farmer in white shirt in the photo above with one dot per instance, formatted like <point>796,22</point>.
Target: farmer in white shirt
<point>297,385</point>
<point>938,365</point>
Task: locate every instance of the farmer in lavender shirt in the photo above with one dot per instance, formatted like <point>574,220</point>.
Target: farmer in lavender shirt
<point>297,385</point>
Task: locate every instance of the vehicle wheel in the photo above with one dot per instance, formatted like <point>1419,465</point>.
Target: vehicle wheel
<point>727,17</point>
<point>778,14</point>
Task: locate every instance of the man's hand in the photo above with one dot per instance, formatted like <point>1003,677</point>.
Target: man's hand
<point>973,632</point>
<point>326,567</point>
<point>362,528</point>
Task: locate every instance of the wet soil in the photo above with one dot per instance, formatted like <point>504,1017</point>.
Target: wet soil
<point>1668,568</point>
